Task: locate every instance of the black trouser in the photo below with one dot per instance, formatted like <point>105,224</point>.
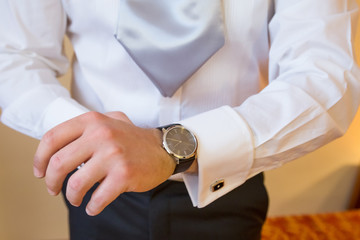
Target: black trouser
<point>166,213</point>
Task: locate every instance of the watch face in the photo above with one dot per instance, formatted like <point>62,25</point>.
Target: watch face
<point>181,142</point>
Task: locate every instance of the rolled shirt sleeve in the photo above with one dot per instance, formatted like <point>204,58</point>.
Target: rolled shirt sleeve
<point>312,98</point>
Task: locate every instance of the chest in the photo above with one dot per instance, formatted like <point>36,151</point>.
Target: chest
<point>243,19</point>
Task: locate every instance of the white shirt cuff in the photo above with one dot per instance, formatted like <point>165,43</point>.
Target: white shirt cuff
<point>61,110</point>
<point>225,154</point>
<point>34,116</point>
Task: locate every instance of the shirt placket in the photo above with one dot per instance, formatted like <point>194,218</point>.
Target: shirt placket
<point>170,110</point>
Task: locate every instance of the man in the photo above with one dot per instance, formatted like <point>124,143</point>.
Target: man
<point>111,145</point>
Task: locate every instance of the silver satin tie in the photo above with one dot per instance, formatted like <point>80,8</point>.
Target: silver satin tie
<point>170,39</point>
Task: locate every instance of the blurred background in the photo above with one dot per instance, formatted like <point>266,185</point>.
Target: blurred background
<point>323,181</point>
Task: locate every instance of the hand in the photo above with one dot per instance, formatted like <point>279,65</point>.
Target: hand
<point>116,153</point>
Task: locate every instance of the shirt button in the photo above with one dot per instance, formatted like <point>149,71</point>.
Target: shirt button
<point>217,185</point>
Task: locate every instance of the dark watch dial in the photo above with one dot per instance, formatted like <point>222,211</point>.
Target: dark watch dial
<point>180,142</point>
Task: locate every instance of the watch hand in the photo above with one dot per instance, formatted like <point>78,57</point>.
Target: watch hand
<point>187,143</point>
<point>172,139</point>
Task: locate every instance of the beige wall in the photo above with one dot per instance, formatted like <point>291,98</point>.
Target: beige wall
<point>319,182</point>
<point>27,212</point>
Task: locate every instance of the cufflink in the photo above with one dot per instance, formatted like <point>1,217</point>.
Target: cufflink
<point>217,185</point>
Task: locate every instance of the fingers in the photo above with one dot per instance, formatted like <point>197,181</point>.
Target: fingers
<point>105,193</point>
<point>82,180</point>
<point>114,155</point>
<point>63,134</point>
<point>53,140</point>
<point>64,161</point>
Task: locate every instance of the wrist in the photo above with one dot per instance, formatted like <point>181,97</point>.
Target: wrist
<point>163,154</point>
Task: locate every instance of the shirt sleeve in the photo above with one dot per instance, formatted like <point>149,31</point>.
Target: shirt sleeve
<point>312,97</point>
<point>31,57</point>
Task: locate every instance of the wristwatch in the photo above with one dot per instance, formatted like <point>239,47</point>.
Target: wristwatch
<point>180,144</point>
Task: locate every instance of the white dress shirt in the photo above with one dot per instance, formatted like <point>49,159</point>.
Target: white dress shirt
<point>302,48</point>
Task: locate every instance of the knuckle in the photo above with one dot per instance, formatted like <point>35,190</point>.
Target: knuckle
<point>120,115</point>
<point>106,132</point>
<point>116,114</point>
<point>93,116</point>
<point>57,163</point>
<point>49,137</point>
<point>99,201</point>
<point>126,172</point>
<point>75,184</point>
<point>115,151</point>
